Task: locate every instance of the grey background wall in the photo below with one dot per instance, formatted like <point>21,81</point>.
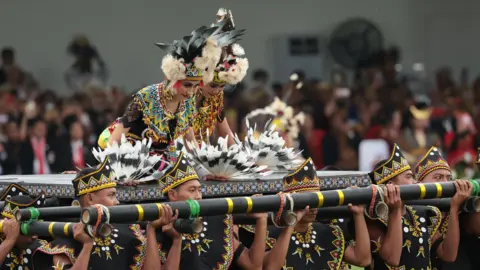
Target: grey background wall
<point>434,32</point>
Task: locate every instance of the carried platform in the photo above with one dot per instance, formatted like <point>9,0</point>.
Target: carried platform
<point>60,185</point>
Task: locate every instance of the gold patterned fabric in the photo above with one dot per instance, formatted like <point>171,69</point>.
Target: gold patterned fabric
<point>207,116</point>
<point>304,178</point>
<point>393,166</point>
<point>182,171</point>
<point>99,179</point>
<point>432,160</point>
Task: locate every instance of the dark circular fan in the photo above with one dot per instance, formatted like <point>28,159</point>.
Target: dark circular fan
<point>354,41</point>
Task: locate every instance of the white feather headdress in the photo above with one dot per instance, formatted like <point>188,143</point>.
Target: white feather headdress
<point>281,115</point>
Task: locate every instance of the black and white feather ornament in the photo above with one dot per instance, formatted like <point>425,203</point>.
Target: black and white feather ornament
<point>269,148</point>
<point>223,161</point>
<point>131,162</point>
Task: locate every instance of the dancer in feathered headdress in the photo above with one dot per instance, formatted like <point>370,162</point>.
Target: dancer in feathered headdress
<point>225,158</point>
<point>188,64</point>
<point>230,70</point>
<point>271,139</point>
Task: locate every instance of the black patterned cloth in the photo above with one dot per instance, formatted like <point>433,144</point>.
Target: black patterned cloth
<point>22,259</point>
<point>420,224</point>
<point>322,246</point>
<point>123,249</point>
<point>211,249</point>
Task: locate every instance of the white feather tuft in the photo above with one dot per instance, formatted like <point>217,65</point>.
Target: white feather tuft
<point>238,50</point>
<point>269,149</point>
<point>174,69</point>
<point>223,161</point>
<point>207,62</point>
<point>130,162</point>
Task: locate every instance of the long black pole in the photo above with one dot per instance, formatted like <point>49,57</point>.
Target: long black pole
<point>268,203</point>
<point>45,229</point>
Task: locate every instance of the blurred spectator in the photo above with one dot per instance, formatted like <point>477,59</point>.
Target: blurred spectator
<point>417,138</point>
<point>13,77</point>
<point>82,72</point>
<point>37,155</point>
<point>71,149</point>
<point>260,95</point>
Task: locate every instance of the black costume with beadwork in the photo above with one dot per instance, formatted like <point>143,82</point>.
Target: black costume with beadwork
<point>322,246</point>
<point>213,248</point>
<point>21,258</point>
<point>210,249</point>
<point>420,224</point>
<point>123,249</point>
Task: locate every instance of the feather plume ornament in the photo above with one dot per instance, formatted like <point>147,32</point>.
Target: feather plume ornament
<point>265,137</point>
<point>132,162</point>
<point>222,161</point>
<point>269,148</point>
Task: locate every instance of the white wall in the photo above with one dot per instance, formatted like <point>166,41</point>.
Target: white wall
<point>125,30</point>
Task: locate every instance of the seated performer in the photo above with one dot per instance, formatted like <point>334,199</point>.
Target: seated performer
<point>217,246</point>
<point>231,69</point>
<point>405,240</point>
<point>434,168</point>
<point>16,250</point>
<point>123,249</point>
<point>312,245</point>
<point>164,111</point>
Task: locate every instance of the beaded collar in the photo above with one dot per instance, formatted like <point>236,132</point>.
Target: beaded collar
<point>207,115</point>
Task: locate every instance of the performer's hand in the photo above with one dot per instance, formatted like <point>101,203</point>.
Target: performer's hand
<point>80,235</point>
<point>170,230</point>
<point>463,191</point>
<point>11,229</point>
<point>301,213</point>
<point>258,216</point>
<point>167,218</point>
<point>392,197</point>
<point>356,209</point>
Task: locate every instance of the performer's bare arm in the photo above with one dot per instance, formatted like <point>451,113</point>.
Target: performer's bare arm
<point>224,130</point>
<point>251,259</point>
<point>11,230</point>
<point>190,137</point>
<point>448,248</point>
<point>279,250</point>
<point>117,133</point>
<point>152,259</point>
<point>83,259</point>
<point>390,249</point>
<point>360,253</point>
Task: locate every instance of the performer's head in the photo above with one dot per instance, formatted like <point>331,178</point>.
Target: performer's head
<point>433,168</point>
<point>96,185</point>
<point>15,203</point>
<point>190,61</point>
<point>395,170</point>
<point>233,65</point>
<point>303,179</point>
<point>181,181</point>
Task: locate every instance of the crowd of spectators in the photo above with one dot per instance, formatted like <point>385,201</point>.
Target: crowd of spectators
<point>43,133</point>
